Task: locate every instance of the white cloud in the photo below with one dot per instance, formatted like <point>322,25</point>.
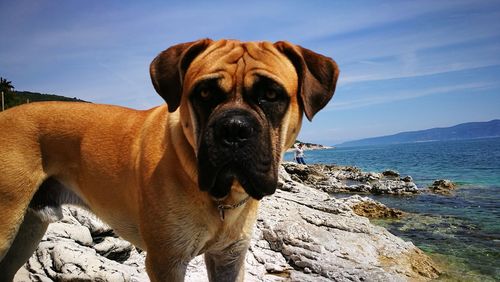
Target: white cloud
<point>389,74</point>
<point>410,94</point>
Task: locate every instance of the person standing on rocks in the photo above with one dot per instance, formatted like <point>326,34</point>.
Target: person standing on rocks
<point>299,154</point>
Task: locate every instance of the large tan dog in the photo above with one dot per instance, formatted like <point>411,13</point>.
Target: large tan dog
<point>178,180</point>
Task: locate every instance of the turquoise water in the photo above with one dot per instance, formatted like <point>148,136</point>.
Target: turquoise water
<point>463,229</point>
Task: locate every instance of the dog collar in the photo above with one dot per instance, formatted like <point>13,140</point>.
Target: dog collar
<point>223,207</point>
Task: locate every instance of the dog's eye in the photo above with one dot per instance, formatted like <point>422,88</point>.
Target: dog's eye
<point>205,94</point>
<point>270,95</point>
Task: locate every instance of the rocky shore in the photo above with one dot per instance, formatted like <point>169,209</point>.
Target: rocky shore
<point>348,179</point>
<point>302,234</point>
<point>310,147</point>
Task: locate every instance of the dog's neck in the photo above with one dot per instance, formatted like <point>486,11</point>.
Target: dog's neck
<point>223,207</point>
<point>236,199</point>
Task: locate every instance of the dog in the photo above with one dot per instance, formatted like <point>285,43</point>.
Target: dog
<point>178,180</point>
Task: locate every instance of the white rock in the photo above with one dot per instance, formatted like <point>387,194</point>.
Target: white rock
<point>302,234</point>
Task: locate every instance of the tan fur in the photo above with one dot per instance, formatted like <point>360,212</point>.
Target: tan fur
<point>137,170</point>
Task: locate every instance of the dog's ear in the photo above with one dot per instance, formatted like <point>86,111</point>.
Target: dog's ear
<point>317,76</point>
<point>168,68</point>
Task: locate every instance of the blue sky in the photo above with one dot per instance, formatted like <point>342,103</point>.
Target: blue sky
<point>405,65</point>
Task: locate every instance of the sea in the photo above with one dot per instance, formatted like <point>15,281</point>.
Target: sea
<point>460,232</point>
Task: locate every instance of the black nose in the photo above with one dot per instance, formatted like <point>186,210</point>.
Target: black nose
<point>234,130</point>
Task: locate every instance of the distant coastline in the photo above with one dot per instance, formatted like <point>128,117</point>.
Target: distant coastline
<point>310,147</point>
<point>463,131</point>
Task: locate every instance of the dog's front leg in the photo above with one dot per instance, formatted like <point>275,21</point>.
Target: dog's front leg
<point>227,264</point>
<point>162,267</point>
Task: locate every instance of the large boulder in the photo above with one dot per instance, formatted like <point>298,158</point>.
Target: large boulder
<point>390,173</point>
<point>70,252</point>
<point>370,208</point>
<point>442,187</point>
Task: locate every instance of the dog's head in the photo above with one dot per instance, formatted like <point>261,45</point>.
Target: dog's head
<point>241,105</point>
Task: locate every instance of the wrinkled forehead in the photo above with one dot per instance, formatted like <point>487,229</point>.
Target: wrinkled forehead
<point>234,62</point>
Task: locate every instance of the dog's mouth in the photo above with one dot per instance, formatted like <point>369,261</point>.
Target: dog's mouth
<point>252,165</point>
<point>218,182</point>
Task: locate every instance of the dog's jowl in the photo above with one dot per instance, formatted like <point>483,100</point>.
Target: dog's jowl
<point>178,180</point>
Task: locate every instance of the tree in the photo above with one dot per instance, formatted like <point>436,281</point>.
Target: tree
<point>5,85</point>
<point>10,99</point>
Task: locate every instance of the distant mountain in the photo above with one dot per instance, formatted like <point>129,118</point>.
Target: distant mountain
<point>37,97</point>
<point>16,98</point>
<point>470,130</point>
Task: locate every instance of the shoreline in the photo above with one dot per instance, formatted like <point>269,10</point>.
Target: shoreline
<point>311,148</point>
<point>458,245</point>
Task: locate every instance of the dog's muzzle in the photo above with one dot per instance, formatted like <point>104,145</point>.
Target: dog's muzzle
<point>234,146</point>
